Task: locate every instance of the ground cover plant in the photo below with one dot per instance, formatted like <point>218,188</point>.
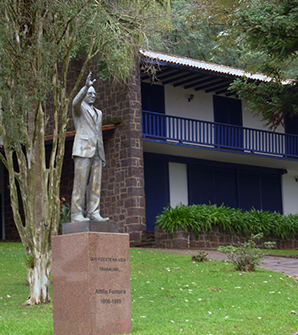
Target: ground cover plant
<point>233,220</point>
<point>246,256</point>
<point>171,294</point>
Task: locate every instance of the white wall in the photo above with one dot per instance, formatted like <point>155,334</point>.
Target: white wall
<point>178,184</point>
<point>201,107</point>
<point>176,103</point>
<point>290,192</point>
<point>255,121</point>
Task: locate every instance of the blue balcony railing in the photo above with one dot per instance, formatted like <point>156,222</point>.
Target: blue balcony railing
<point>217,135</point>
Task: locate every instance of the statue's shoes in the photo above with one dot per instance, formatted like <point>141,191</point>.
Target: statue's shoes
<point>79,218</point>
<point>97,217</point>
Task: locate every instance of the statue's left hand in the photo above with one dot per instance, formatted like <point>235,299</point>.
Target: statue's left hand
<point>104,164</point>
<point>89,81</point>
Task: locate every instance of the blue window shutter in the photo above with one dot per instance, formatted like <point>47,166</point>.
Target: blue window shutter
<point>156,189</point>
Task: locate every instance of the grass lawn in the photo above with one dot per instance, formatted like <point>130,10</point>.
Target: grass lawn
<point>170,295</point>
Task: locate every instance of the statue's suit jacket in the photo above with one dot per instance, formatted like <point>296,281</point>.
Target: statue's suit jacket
<point>88,125</point>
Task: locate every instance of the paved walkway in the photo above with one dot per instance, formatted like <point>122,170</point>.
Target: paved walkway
<point>286,265</point>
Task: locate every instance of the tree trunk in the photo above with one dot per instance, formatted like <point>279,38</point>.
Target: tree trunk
<point>38,278</point>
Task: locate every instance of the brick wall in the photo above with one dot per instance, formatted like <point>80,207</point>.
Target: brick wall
<point>213,239</point>
<point>122,197</point>
<point>67,173</point>
<point>73,72</point>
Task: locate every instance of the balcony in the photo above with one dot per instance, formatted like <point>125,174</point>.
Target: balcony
<point>186,131</point>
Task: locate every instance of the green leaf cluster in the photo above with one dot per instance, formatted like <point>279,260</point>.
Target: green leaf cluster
<point>198,218</point>
<point>271,26</point>
<point>65,212</point>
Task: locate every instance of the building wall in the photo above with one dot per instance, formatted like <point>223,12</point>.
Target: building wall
<point>201,107</point>
<point>11,232</point>
<point>213,239</point>
<point>178,184</point>
<point>67,172</point>
<point>195,181</point>
<point>2,230</point>
<point>176,102</point>
<point>123,198</point>
<point>290,192</point>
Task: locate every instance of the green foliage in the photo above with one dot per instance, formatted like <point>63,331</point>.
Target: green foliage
<point>65,212</point>
<point>200,257</point>
<point>197,218</point>
<point>193,35</point>
<point>246,256</point>
<point>271,27</point>
<point>258,36</point>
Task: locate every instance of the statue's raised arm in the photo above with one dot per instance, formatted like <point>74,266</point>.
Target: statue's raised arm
<point>81,95</point>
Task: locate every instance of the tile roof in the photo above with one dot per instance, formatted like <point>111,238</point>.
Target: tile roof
<point>202,65</point>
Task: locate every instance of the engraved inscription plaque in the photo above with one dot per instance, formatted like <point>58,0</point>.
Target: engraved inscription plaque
<point>91,284</point>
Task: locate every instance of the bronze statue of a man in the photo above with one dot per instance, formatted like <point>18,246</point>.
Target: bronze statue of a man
<point>88,154</point>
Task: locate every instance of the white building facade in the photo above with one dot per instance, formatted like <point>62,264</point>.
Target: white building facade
<point>203,145</point>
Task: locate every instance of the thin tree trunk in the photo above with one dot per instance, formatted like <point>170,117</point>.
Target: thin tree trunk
<point>38,278</point>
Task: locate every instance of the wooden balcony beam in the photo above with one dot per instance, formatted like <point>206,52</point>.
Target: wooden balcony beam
<point>71,133</point>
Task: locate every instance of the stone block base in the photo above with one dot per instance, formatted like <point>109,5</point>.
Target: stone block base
<point>90,226</point>
<point>91,284</point>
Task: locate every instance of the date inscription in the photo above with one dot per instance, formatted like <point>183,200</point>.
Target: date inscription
<point>110,301</point>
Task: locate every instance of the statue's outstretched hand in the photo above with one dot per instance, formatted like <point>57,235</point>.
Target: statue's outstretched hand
<point>89,81</point>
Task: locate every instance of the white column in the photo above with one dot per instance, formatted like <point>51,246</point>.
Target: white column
<point>178,184</point>
<point>290,192</point>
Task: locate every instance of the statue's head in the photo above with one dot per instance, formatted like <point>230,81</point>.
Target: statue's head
<point>90,96</point>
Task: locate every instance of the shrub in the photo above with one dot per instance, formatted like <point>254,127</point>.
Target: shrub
<point>202,217</point>
<point>246,256</point>
<point>200,257</point>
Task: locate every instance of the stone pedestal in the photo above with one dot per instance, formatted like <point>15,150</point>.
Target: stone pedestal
<point>91,284</point>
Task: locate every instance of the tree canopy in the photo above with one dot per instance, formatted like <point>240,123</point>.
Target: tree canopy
<point>271,27</point>
<point>204,30</point>
<point>217,31</point>
<point>258,36</point>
